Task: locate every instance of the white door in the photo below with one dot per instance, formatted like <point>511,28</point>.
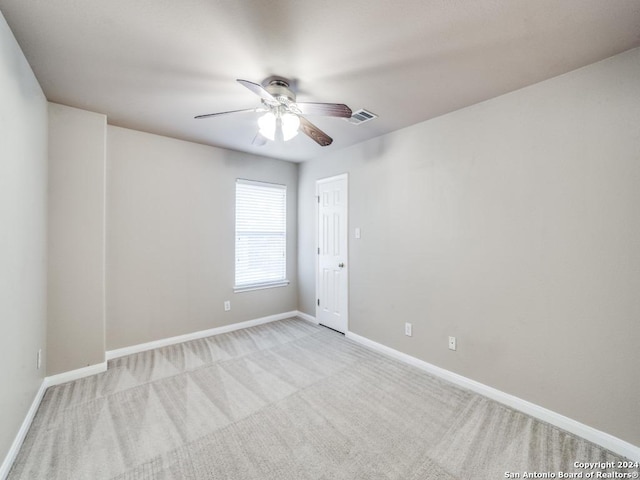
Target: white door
<point>332,305</point>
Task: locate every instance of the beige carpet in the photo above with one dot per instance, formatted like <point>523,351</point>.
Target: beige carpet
<point>286,400</point>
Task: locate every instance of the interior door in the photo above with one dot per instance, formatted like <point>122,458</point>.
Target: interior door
<point>332,306</point>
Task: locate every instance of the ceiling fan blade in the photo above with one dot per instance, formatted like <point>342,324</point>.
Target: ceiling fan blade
<point>208,115</point>
<point>327,109</point>
<point>314,133</point>
<point>259,140</point>
<point>260,91</point>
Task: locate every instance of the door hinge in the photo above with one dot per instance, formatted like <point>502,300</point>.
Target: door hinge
<point>318,250</point>
<point>318,302</point>
<point>318,197</point>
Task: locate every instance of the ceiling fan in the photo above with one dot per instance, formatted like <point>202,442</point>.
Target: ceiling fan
<point>283,116</point>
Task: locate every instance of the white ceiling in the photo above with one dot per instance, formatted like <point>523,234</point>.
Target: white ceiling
<point>152,65</point>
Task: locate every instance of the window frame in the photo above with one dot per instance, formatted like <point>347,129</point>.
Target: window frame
<point>261,283</point>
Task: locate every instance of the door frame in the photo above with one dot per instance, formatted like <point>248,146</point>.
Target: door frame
<point>320,181</point>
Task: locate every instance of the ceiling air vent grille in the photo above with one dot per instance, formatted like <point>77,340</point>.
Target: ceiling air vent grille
<point>361,116</point>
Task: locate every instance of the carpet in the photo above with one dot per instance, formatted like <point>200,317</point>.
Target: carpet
<point>284,400</point>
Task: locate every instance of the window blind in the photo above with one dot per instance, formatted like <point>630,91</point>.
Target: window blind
<point>261,234</point>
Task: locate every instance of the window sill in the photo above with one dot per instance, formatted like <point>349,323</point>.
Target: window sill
<point>262,286</point>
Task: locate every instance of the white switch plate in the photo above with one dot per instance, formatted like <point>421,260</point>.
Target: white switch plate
<point>39,359</point>
<point>227,305</point>
<point>452,343</point>
<point>408,329</point>
<point>357,232</point>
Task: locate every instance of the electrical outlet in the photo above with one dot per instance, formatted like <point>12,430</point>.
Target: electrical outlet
<point>227,305</point>
<point>39,359</point>
<point>452,343</point>
<point>408,329</point>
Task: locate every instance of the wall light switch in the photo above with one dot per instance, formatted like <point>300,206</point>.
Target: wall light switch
<point>357,232</point>
<point>227,305</point>
<point>408,329</point>
<point>452,343</point>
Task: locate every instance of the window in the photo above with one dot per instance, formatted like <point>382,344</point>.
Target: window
<point>261,235</point>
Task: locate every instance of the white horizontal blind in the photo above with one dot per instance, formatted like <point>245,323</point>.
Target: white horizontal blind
<point>261,234</point>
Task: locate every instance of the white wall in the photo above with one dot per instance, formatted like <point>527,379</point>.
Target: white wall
<point>76,205</point>
<point>23,223</point>
<point>170,237</point>
<point>513,225</point>
<point>161,262</point>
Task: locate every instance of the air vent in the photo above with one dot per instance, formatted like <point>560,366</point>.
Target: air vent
<point>361,116</point>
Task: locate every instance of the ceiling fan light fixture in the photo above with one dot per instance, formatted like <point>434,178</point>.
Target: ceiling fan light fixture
<point>290,126</point>
<point>271,124</point>
<point>267,124</point>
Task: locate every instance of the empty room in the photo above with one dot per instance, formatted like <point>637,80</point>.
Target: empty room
<point>319,239</point>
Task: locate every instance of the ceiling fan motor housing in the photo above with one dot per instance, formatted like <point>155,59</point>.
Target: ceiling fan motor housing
<point>279,87</point>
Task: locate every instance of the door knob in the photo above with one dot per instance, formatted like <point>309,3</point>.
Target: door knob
<point>341,265</point>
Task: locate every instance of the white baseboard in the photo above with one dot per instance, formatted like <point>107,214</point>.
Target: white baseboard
<point>22,433</point>
<point>598,437</point>
<point>307,317</point>
<point>142,347</point>
<point>28,419</point>
<point>72,375</point>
